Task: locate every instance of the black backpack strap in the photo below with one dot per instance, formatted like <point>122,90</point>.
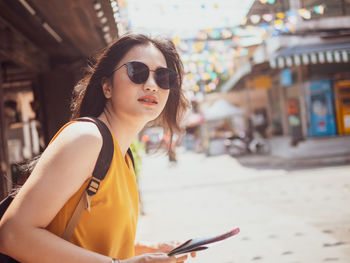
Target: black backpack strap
<point>102,165</point>
<point>105,157</point>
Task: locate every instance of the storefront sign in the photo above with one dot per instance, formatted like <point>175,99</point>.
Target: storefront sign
<point>286,77</point>
<point>262,82</point>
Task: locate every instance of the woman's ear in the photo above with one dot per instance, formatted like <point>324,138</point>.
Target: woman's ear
<point>107,87</point>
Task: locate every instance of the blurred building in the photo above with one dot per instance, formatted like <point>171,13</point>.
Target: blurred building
<point>44,46</point>
<point>298,81</point>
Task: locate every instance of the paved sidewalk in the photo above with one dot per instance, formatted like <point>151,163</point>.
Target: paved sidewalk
<point>284,216</point>
<point>309,153</point>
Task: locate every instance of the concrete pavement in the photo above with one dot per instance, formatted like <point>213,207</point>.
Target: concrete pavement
<point>322,151</point>
<point>284,216</point>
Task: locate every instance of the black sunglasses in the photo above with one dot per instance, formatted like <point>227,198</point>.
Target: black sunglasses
<point>138,73</point>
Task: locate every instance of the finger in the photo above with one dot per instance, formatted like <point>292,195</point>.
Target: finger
<point>166,247</point>
<point>193,254</point>
<point>181,259</point>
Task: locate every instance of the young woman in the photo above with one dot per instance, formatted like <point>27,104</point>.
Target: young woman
<point>136,80</point>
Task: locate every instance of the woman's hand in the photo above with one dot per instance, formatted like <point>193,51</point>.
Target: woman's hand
<point>155,258</point>
<point>152,247</point>
<point>147,247</point>
<point>167,247</point>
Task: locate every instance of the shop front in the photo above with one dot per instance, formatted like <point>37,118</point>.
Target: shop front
<point>342,102</point>
<point>319,85</point>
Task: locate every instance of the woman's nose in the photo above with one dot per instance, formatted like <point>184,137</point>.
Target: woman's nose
<point>150,83</point>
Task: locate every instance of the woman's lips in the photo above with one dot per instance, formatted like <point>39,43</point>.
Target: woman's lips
<point>149,100</point>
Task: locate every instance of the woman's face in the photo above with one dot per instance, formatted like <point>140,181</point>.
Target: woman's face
<point>143,102</point>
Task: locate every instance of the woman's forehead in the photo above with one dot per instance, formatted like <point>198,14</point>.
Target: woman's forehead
<point>147,54</point>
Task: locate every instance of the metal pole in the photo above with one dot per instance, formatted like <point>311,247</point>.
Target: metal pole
<point>282,99</point>
<point>247,97</point>
<point>343,7</point>
<point>5,174</point>
<point>303,109</point>
<point>249,83</point>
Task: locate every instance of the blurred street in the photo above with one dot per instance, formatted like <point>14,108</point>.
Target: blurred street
<point>268,82</point>
<point>298,216</point>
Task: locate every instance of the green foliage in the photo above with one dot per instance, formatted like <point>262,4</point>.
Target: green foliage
<point>137,148</point>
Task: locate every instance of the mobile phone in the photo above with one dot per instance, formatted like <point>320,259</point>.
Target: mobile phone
<point>198,244</point>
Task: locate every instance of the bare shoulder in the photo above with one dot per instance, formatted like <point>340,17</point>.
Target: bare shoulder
<point>83,129</point>
<point>84,134</point>
<point>77,145</point>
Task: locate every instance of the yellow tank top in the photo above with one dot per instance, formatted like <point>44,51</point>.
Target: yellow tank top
<point>110,227</point>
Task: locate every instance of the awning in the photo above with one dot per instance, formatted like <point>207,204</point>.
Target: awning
<point>312,54</point>
<point>221,109</point>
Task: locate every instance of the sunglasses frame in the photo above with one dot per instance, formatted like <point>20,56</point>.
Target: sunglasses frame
<point>132,78</point>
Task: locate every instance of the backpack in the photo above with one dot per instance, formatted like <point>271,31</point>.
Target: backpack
<point>98,174</point>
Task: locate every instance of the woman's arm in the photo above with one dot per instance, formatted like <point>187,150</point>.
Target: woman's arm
<point>62,169</point>
<point>64,166</point>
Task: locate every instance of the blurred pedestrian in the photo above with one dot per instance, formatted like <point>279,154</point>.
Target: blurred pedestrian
<point>136,80</point>
<point>171,142</point>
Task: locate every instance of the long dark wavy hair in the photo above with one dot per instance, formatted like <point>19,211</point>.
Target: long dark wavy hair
<point>90,100</point>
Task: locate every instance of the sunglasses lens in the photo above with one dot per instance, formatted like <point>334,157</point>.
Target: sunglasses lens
<point>165,78</point>
<point>137,72</point>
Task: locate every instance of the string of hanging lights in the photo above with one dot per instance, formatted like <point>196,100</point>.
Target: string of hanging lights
<point>202,78</point>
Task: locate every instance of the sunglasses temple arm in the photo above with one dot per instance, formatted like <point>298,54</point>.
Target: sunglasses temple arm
<point>114,70</point>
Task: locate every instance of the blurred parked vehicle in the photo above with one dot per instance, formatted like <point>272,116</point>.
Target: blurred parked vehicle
<point>241,144</point>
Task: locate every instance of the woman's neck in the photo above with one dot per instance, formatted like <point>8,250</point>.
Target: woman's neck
<point>124,130</point>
